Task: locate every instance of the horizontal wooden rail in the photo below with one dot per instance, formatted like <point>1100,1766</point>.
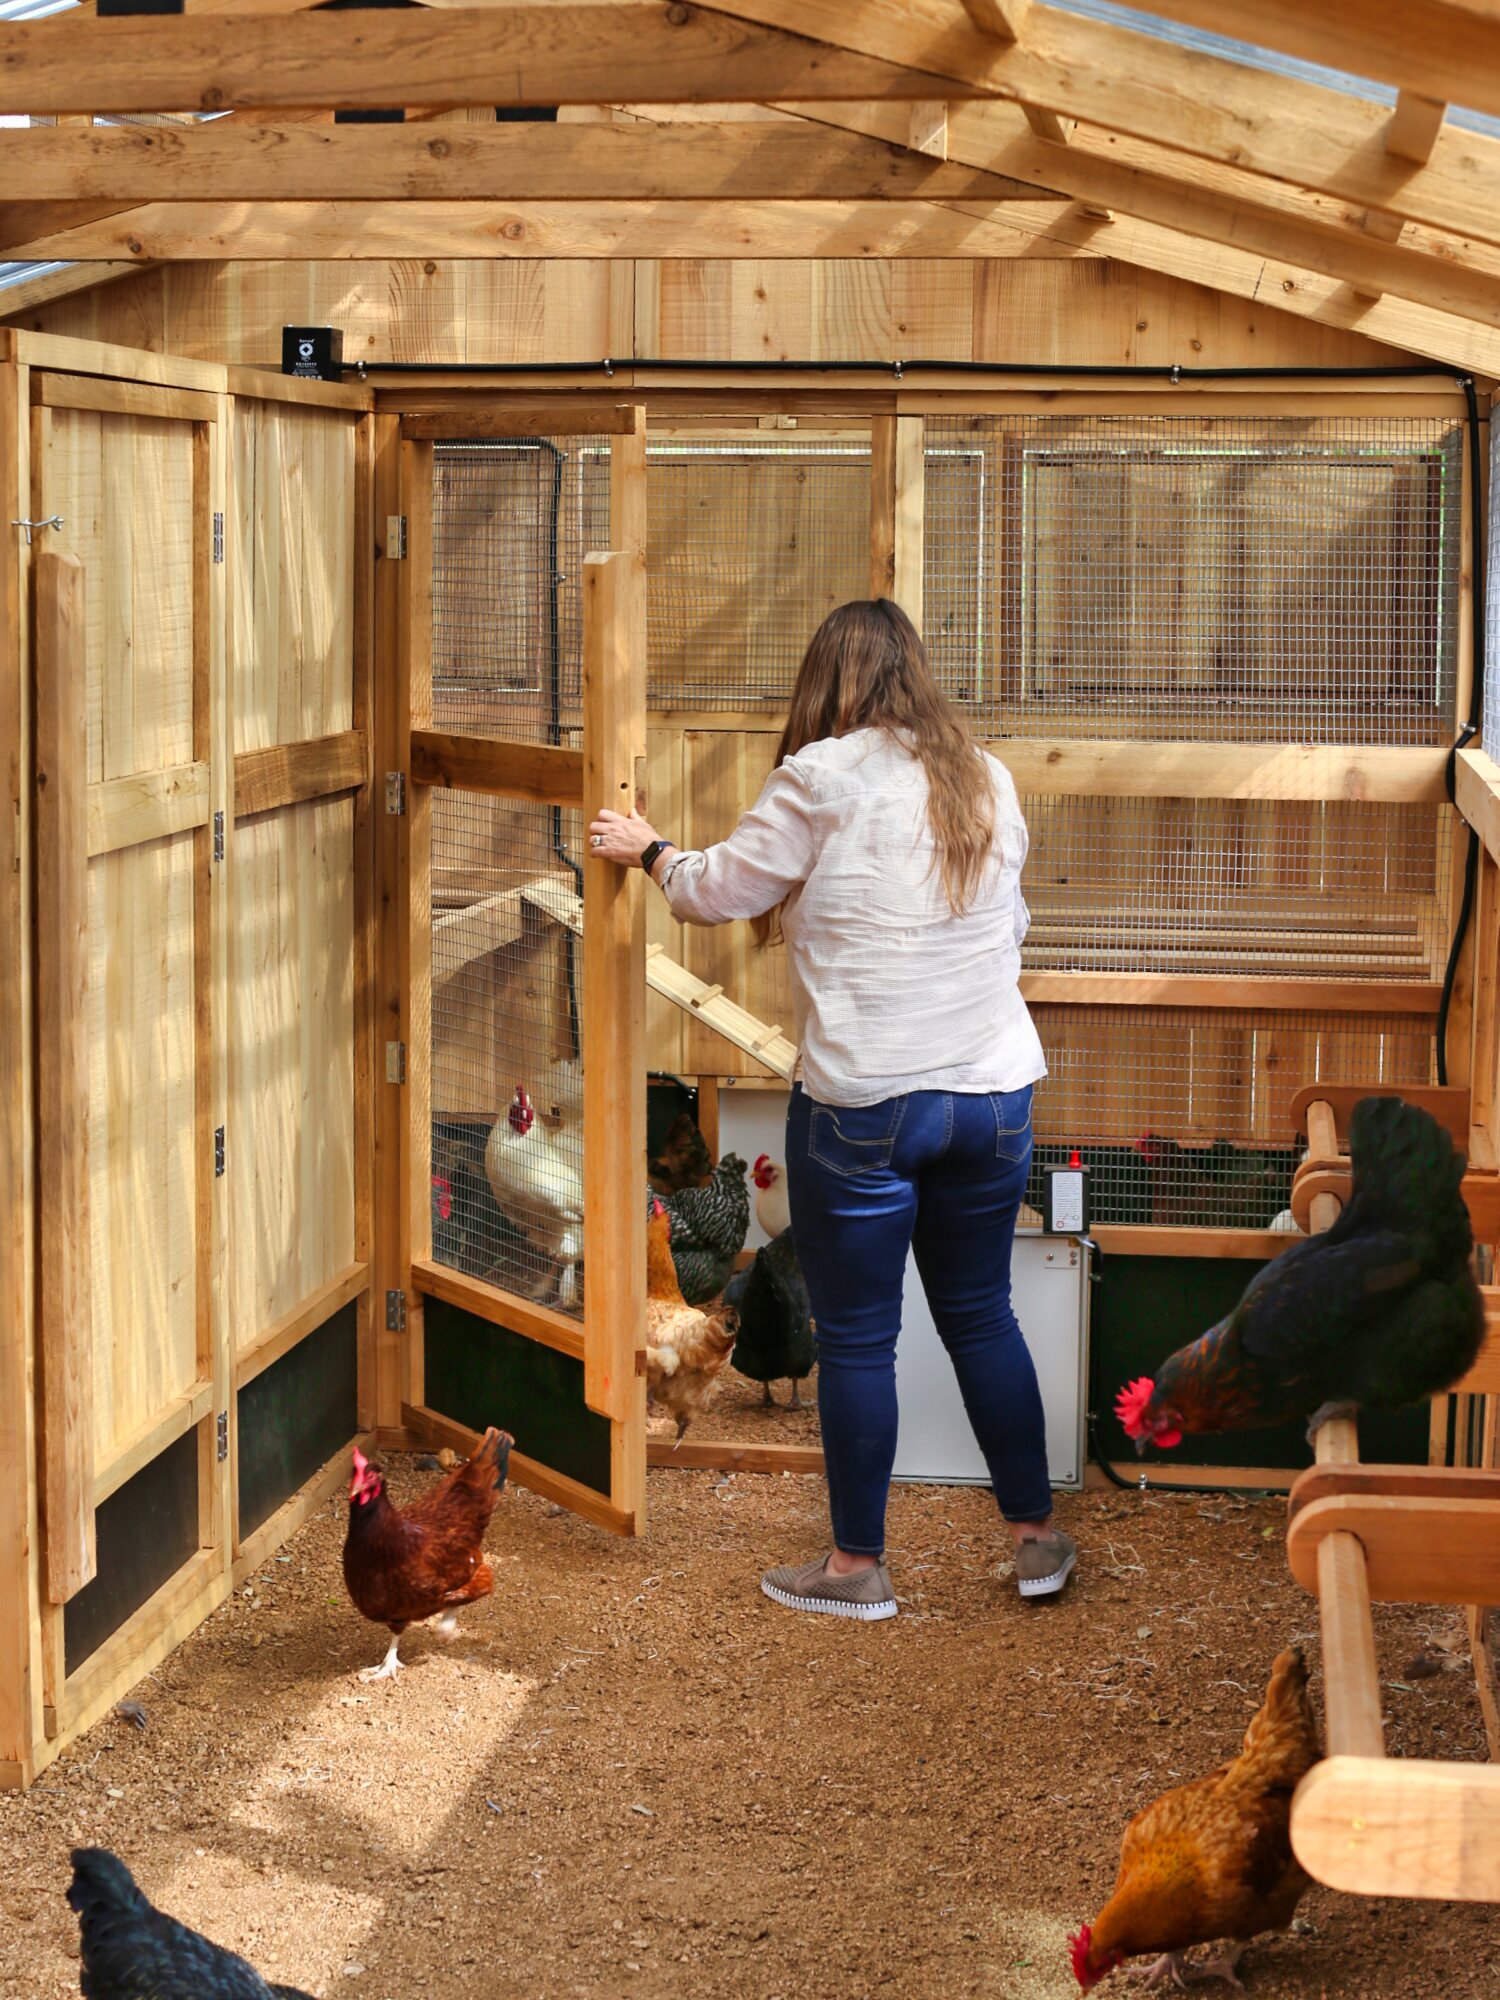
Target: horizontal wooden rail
<point>152,1439</point>
<point>497,420</point>
<point>288,774</point>
<point>1448,1104</point>
<point>123,399</point>
<point>148,805</point>
<point>528,1472</point>
<point>551,774</point>
<point>1476,791</point>
<point>1224,770</point>
<point>1416,1551</point>
<point>295,1326</point>
<point>501,1308</point>
<point>1394,1482</point>
<point>1400,1827</point>
<point>1138,1239</point>
<point>266,385</point>
<point>726,1455</point>
<point>1191,989</point>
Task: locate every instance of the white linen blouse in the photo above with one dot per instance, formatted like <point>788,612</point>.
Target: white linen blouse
<point>891,991</point>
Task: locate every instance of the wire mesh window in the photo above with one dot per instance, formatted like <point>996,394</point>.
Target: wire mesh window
<point>512,522</point>
<point>1256,888</point>
<point>1235,578</point>
<point>507,1079</point>
<point>1183,1115</point>
<point>752,541</point>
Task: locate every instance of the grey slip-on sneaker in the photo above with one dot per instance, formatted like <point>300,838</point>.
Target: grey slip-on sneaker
<point>867,1594</point>
<point>1044,1563</point>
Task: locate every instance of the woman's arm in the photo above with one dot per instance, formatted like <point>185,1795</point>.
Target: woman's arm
<point>767,855</point>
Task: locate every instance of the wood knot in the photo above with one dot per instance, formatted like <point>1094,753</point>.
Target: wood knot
<point>439,149</point>
<point>513,232</point>
<point>678,16</point>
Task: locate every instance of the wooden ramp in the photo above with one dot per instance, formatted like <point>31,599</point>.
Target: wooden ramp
<point>552,898</point>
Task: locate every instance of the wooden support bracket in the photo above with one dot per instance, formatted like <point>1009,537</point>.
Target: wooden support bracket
<point>1416,1551</point>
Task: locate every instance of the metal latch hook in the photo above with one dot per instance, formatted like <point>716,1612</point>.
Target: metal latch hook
<point>52,521</point>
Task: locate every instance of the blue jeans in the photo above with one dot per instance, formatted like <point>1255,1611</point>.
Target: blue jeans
<point>942,1174</point>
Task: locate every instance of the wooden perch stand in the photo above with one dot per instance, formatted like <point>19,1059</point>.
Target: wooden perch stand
<point>1401,1534</point>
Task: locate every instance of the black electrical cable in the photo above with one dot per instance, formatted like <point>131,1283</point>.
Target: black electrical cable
<point>1469,729</point>
<point>656,364</point>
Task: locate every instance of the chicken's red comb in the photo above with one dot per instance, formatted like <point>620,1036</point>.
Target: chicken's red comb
<point>761,1160</point>
<point>361,1463</point>
<point>1078,1946</point>
<point>658,1207</point>
<point>1130,1405</point>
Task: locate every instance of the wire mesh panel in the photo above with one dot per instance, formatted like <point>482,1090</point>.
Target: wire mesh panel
<point>752,542</point>
<point>512,521</point>
<point>506,1078</point>
<point>1259,888</point>
<point>1183,1115</point>
<point>1252,578</point>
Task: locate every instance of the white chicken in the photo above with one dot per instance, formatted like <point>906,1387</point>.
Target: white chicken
<point>536,1177</point>
<point>771,1210</point>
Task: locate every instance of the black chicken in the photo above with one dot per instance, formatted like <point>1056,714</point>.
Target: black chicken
<point>131,1951</point>
<point>709,1227</point>
<point>1379,1311</point>
<point>776,1339</point>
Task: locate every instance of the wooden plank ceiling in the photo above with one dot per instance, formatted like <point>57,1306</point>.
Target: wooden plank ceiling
<point>781,128</point>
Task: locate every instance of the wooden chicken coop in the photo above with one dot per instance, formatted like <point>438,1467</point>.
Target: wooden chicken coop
<point>328,1043</point>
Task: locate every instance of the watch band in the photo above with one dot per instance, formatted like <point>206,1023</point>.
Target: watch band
<point>654,852</point>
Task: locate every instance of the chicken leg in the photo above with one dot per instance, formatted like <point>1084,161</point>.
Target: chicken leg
<point>389,1667</point>
<point>1328,1413</point>
<point>796,1403</point>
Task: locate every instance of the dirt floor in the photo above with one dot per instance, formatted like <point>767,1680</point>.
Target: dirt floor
<point>633,1775</point>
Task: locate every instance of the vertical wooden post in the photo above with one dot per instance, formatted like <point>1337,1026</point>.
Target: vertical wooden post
<point>391,734</point>
<point>67,1402</point>
<point>365,916</point>
<point>416,630</point>
<point>614,992</point>
<point>218,1478</point>
<point>897,511</point>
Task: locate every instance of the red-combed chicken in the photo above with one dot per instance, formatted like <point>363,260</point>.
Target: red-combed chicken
<point>402,1566</point>
<point>1379,1311</point>
<point>536,1176</point>
<point>687,1348</point>
<point>1213,1859</point>
<point>772,1210</point>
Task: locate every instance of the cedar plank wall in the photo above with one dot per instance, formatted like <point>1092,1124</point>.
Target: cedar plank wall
<point>1035,308</point>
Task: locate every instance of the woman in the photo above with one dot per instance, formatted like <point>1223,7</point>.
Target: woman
<point>889,849</point>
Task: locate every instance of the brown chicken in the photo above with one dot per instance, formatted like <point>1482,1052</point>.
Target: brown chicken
<point>687,1348</point>
<point>1212,1859</point>
<point>401,1567</point>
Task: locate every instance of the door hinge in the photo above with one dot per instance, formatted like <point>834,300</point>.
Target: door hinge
<point>218,836</point>
<point>395,1312</point>
<point>218,538</point>
<point>395,538</point>
<point>395,792</point>
<point>218,1151</point>
<point>395,1062</point>
<point>223,1430</point>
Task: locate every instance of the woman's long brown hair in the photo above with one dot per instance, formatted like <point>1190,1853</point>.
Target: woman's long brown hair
<point>866,668</point>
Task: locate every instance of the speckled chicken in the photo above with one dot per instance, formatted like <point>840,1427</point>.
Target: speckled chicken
<point>687,1349</point>
<point>709,1227</point>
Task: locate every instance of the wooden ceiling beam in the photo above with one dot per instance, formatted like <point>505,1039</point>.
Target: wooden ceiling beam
<point>1447,50</point>
<point>538,54</point>
<point>1203,106</point>
<point>1286,233</point>
<point>428,161</point>
<point>770,230</point>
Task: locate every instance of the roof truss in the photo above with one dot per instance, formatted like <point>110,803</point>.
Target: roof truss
<point>935,128</point>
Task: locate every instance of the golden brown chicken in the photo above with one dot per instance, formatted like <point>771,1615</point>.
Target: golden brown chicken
<point>687,1348</point>
<point>1212,1859</point>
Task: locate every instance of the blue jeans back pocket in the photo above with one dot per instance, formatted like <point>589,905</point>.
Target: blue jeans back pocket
<point>1012,1110</point>
<point>855,1139</point>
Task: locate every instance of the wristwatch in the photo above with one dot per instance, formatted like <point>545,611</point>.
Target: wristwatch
<point>654,853</point>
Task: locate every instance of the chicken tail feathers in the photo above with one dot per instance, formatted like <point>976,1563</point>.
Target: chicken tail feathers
<point>1283,1726</point>
<point>1404,1164</point>
<point>493,1449</point>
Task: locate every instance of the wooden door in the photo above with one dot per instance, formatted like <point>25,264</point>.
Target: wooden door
<point>133,783</point>
<point>523,617</point>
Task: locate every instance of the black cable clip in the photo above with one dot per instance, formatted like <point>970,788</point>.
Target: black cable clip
<point>1466,734</point>
<point>896,367</point>
<point>1176,375</point>
<point>609,367</point>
